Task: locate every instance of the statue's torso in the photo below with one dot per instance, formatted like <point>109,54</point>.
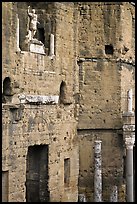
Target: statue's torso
<point>33,22</point>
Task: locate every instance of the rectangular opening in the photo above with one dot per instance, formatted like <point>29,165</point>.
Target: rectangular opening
<point>109,49</point>
<point>41,35</point>
<point>66,171</point>
<point>37,174</point>
<point>5,186</point>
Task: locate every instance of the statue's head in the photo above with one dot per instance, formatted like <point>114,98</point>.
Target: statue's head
<point>33,10</point>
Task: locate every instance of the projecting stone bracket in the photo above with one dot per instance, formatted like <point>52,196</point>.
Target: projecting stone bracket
<point>16,110</point>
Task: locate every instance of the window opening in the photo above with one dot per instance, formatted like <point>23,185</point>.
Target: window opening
<point>109,49</point>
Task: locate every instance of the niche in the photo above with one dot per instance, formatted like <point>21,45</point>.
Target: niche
<point>63,90</point>
<point>7,90</point>
<point>41,34</point>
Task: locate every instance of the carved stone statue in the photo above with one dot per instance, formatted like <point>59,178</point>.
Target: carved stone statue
<point>30,43</point>
<point>32,23</point>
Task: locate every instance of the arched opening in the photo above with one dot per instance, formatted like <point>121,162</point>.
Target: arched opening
<point>7,87</point>
<point>7,90</point>
<point>63,90</point>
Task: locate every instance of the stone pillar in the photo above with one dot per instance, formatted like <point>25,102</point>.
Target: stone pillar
<point>82,198</point>
<point>129,142</point>
<point>129,97</point>
<point>114,194</point>
<point>17,33</point>
<point>51,45</point>
<point>97,172</point>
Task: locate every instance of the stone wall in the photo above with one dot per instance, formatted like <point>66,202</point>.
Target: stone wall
<point>28,123</point>
<point>68,100</point>
<point>106,72</point>
<point>112,162</point>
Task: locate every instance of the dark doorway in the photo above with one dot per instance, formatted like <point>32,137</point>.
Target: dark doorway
<point>5,182</point>
<point>37,174</point>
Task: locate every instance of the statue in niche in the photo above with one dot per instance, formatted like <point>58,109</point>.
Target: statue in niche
<point>32,44</point>
<point>32,24</point>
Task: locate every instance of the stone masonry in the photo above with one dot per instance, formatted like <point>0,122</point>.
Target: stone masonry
<point>58,101</point>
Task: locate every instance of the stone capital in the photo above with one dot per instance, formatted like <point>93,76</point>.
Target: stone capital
<point>129,128</point>
<point>129,142</point>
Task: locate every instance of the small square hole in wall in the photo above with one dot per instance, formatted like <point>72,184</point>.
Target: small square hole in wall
<point>109,49</point>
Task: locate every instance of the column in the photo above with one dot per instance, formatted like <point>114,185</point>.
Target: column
<point>82,198</point>
<point>129,97</point>
<point>97,172</point>
<point>129,139</point>
<point>17,33</point>
<point>129,142</point>
<point>51,45</point>
<point>114,194</point>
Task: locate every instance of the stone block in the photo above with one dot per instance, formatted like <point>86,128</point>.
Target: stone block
<point>128,118</point>
<point>34,46</point>
<point>37,47</point>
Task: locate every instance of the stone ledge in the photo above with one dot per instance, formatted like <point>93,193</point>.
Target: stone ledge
<point>39,99</point>
<point>10,106</point>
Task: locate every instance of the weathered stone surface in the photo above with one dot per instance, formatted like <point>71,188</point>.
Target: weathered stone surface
<point>95,95</point>
<point>38,99</point>
<point>36,47</point>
